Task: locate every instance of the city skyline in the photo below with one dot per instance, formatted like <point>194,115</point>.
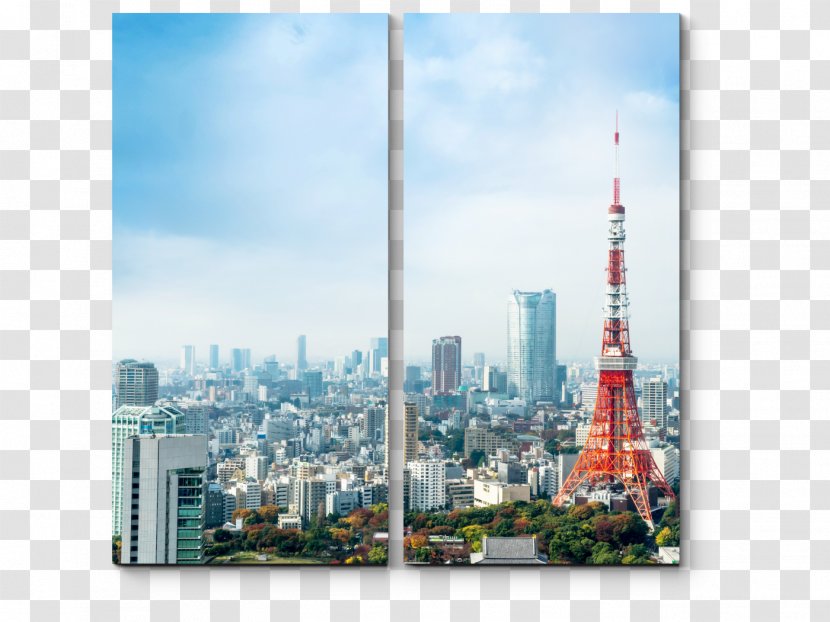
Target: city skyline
<point>509,160</point>
<point>249,181</point>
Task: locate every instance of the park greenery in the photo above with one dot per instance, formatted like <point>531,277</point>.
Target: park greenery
<point>333,539</point>
<point>579,534</point>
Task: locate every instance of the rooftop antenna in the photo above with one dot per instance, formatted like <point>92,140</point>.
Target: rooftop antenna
<point>617,160</point>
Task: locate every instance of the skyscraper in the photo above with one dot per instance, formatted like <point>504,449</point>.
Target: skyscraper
<point>531,345</point>
<point>313,383</point>
<point>213,361</point>
<point>136,384</point>
<point>246,358</point>
<point>410,432</point>
<point>373,421</point>
<point>654,402</point>
<point>378,349</point>
<point>188,360</point>
<point>478,367</point>
<point>131,420</point>
<point>237,360</point>
<point>446,365</point>
<point>302,362</point>
<point>412,380</point>
<point>165,487</point>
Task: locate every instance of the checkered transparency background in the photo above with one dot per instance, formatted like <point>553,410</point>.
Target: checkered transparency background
<point>755,288</point>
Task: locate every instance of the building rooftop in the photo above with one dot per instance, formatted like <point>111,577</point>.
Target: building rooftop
<point>508,551</point>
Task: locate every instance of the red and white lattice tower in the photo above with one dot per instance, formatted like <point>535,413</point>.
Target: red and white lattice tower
<point>616,450</point>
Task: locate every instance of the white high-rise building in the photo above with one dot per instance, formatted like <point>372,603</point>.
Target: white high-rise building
<point>427,485</point>
<point>248,494</point>
<point>531,346</point>
<point>667,459</point>
<point>256,467</point>
<point>582,431</point>
<point>654,402</point>
<point>589,396</point>
<point>129,421</point>
<point>165,488</point>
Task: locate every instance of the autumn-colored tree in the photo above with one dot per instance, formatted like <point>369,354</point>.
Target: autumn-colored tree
<point>417,541</point>
<point>472,533</point>
<point>269,513</point>
<point>116,550</point>
<point>581,512</point>
<point>662,537</point>
<point>341,535</point>
<point>242,513</point>
<point>359,517</point>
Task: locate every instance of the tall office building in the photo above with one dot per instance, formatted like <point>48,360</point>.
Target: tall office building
<point>136,384</point>
<point>237,361</point>
<point>494,380</point>
<point>196,418</point>
<point>478,367</point>
<point>446,365</point>
<point>165,491</point>
<point>313,383</point>
<point>188,360</point>
<point>129,421</point>
<point>654,402</point>
<point>302,362</point>
<point>412,380</point>
<point>312,498</point>
<point>378,350</point>
<point>410,432</point>
<point>373,422</point>
<point>427,481</point>
<point>246,358</point>
<point>531,345</point>
<point>213,360</point>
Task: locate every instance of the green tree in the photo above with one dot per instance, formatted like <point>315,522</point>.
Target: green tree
<point>636,554</point>
<point>222,535</point>
<point>604,555</point>
<point>477,457</point>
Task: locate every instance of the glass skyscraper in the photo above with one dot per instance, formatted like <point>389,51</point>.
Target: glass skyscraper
<point>531,346</point>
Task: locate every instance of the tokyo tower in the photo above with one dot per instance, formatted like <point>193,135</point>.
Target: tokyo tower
<point>615,450</point>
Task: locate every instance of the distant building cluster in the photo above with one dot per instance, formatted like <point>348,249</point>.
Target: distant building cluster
<point>193,445</point>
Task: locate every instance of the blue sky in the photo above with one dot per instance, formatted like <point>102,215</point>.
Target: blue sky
<point>249,182</point>
<point>509,123</point>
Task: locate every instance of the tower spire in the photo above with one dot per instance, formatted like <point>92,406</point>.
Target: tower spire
<point>617,160</point>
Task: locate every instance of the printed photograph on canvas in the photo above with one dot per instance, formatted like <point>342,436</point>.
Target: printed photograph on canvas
<point>250,356</point>
<point>541,343</point>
